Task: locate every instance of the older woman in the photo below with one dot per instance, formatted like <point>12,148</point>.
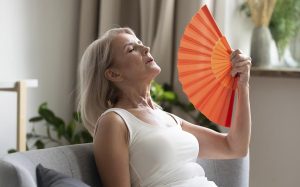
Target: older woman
<point>135,142</point>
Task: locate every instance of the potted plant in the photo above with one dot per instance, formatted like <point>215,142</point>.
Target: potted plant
<point>284,22</point>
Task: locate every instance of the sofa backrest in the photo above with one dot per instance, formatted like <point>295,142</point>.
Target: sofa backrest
<point>18,169</point>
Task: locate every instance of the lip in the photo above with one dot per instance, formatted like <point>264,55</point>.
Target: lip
<point>149,60</point>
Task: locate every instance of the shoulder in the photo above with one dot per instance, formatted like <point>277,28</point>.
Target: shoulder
<point>110,124</point>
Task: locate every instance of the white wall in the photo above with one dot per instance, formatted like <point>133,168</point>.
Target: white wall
<point>274,151</point>
<point>38,40</point>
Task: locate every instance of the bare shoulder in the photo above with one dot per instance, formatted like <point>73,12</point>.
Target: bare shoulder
<point>111,124</point>
<point>110,141</point>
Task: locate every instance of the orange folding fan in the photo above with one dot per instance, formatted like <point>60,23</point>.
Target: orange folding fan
<point>204,68</point>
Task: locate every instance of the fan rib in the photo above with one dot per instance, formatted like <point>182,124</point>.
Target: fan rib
<point>198,88</point>
<point>194,81</point>
<point>195,42</point>
<point>212,104</point>
<point>225,105</point>
<point>214,34</point>
<point>211,20</point>
<point>195,29</point>
<point>192,62</point>
<point>192,51</point>
<point>206,96</point>
<point>191,72</point>
<point>224,41</point>
<point>220,74</point>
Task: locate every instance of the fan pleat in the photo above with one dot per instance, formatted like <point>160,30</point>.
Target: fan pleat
<point>190,72</point>
<point>202,59</point>
<point>184,50</point>
<point>201,34</point>
<point>205,25</point>
<point>219,49</point>
<point>213,100</point>
<point>211,20</point>
<point>193,62</point>
<point>224,103</point>
<point>204,68</point>
<point>193,70</point>
<point>222,77</point>
<point>200,86</point>
<point>203,94</point>
<point>194,80</point>
<point>194,42</point>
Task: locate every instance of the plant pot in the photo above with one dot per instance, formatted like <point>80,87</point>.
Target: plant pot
<point>263,48</point>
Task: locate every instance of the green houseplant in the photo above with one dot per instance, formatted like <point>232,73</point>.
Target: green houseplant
<point>284,23</point>
<point>64,133</point>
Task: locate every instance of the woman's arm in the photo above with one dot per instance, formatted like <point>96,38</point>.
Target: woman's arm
<point>111,151</point>
<point>234,144</point>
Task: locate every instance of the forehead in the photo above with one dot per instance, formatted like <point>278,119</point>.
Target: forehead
<point>123,38</point>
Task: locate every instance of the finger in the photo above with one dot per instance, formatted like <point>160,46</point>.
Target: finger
<point>234,53</point>
<point>242,63</point>
<point>238,70</point>
<point>240,58</point>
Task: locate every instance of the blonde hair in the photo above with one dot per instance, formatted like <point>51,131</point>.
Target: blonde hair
<point>97,94</point>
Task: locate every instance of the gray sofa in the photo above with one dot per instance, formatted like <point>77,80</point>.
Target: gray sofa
<point>18,169</point>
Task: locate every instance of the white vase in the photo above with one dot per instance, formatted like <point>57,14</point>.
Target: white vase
<point>264,52</point>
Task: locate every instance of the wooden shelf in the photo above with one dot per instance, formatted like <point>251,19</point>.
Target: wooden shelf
<point>285,72</point>
<point>20,87</point>
<point>30,83</point>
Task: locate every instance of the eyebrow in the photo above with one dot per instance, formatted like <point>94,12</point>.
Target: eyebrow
<point>131,43</point>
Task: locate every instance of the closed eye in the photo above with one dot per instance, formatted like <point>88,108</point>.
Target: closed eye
<point>131,50</point>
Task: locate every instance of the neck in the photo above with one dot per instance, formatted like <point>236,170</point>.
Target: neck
<point>135,97</point>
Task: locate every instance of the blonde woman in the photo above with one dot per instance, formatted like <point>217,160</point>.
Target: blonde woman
<point>135,142</point>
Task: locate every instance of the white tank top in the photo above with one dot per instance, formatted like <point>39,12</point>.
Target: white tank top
<point>162,156</point>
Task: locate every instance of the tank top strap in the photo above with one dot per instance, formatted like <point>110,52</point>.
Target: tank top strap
<point>176,118</point>
<point>128,120</point>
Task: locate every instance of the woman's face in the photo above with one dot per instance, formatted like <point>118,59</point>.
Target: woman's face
<point>132,59</point>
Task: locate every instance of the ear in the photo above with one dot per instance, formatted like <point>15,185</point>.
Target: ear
<point>113,75</point>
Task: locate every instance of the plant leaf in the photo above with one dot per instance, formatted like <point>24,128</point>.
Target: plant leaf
<point>36,119</point>
<point>77,117</point>
<point>86,137</point>
<point>11,151</point>
<point>70,130</point>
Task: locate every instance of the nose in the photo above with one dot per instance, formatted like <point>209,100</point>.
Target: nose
<point>145,49</point>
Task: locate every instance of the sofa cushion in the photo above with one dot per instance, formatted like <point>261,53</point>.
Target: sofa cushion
<point>51,178</point>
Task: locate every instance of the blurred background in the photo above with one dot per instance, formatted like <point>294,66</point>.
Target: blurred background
<point>44,40</point>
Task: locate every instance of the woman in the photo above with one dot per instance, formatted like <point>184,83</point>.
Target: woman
<point>135,142</point>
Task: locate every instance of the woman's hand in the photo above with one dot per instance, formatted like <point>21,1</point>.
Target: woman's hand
<point>241,65</point>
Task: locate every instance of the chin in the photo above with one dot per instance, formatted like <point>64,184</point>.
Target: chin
<point>154,72</point>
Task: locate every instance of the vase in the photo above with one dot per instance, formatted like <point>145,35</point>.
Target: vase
<point>264,52</point>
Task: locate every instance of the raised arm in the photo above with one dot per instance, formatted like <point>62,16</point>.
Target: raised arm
<point>235,144</point>
<point>111,151</point>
